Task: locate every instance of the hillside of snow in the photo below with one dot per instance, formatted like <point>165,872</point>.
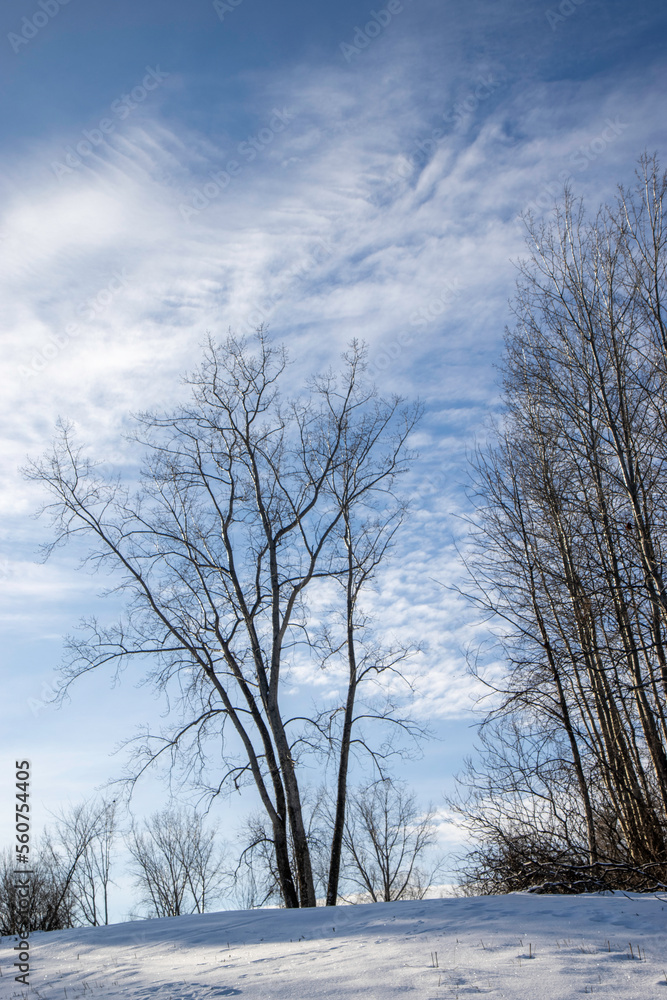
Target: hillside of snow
<point>518,946</point>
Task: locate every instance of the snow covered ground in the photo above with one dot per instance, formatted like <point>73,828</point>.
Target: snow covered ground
<point>517,946</point>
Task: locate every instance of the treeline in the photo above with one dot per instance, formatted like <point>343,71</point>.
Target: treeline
<point>178,863</point>
<point>569,560</point>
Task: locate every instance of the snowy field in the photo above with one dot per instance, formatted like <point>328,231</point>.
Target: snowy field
<point>517,946</point>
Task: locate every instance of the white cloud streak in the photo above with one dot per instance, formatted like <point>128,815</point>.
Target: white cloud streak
<point>334,229</point>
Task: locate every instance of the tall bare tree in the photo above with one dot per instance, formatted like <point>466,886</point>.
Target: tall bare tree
<point>365,534</point>
<point>239,516</point>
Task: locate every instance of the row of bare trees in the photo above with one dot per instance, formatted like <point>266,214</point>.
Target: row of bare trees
<point>569,551</point>
<point>175,863</point>
<point>245,552</point>
<point>179,865</point>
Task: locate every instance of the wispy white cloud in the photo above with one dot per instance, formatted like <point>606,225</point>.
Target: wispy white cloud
<point>352,220</point>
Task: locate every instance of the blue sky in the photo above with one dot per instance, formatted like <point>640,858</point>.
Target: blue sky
<point>170,169</point>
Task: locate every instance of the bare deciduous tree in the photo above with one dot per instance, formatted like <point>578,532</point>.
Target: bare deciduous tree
<point>87,833</point>
<point>178,866</point>
<point>66,851</point>
<point>70,877</point>
<point>365,537</point>
<point>385,843</point>
<point>244,507</point>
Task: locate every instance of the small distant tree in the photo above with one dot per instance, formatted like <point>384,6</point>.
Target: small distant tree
<point>64,851</point>
<point>81,846</point>
<point>385,843</point>
<point>177,863</point>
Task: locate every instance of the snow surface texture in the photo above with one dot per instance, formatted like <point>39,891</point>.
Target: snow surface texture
<point>382,951</point>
